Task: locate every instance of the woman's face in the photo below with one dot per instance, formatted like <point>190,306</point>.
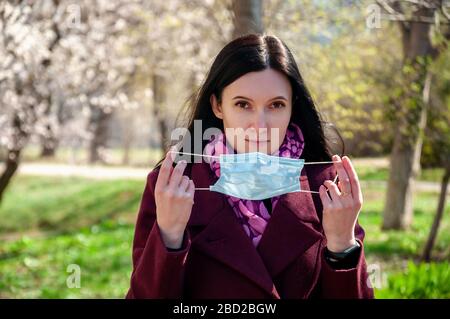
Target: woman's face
<point>256,110</point>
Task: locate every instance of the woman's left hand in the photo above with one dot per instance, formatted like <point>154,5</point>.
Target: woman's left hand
<point>341,208</point>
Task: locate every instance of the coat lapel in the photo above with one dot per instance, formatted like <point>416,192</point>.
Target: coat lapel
<point>225,240</point>
<point>292,229</point>
<point>222,237</point>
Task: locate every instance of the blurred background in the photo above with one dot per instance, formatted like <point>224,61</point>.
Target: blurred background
<point>90,91</point>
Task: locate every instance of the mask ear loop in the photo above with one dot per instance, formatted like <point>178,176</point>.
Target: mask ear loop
<point>212,156</point>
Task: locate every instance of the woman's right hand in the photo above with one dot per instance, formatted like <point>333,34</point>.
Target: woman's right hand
<point>174,196</point>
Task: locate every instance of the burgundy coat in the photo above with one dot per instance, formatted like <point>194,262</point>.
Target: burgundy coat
<point>218,259</point>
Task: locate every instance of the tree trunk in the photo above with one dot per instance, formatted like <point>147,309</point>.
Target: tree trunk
<point>11,165</point>
<point>12,160</point>
<point>49,140</point>
<point>410,125</point>
<point>159,100</point>
<point>127,137</point>
<point>247,17</point>
<point>99,128</point>
<point>437,219</point>
<point>49,147</point>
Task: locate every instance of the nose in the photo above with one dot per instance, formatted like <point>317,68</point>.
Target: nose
<point>259,121</point>
<point>259,124</point>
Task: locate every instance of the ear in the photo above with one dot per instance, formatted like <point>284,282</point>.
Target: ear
<point>216,107</point>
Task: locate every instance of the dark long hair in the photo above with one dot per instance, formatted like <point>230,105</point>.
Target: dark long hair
<point>252,53</point>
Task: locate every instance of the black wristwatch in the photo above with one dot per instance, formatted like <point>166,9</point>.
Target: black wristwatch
<point>345,259</point>
<point>345,253</point>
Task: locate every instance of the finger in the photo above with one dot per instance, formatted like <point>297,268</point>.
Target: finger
<point>177,174</point>
<point>344,180</point>
<point>354,180</point>
<point>164,172</point>
<point>191,190</point>
<point>334,191</point>
<point>326,201</point>
<point>184,184</point>
<point>173,152</point>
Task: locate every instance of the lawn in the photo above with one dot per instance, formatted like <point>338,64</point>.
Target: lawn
<point>50,223</point>
<point>39,268</point>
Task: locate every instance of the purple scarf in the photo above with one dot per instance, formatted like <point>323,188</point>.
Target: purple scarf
<point>253,214</point>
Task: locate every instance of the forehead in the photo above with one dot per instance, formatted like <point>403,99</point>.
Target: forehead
<point>261,85</point>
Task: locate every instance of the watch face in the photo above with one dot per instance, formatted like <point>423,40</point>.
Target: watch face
<point>345,253</point>
<point>344,260</point>
<point>355,246</point>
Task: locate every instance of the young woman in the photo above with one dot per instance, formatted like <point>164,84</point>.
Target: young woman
<point>191,242</point>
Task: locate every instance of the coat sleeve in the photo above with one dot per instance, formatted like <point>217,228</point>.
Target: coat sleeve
<point>345,283</point>
<point>157,272</point>
<point>339,283</point>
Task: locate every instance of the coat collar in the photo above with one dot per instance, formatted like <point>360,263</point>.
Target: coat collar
<point>291,230</point>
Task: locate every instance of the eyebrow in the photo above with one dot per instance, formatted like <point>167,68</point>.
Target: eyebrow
<point>280,97</point>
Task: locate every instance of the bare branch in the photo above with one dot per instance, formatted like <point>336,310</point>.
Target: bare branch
<point>443,8</point>
<point>395,12</point>
<point>423,3</point>
<point>384,4</point>
<point>419,19</point>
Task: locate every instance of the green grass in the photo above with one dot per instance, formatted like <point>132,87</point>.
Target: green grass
<point>419,281</point>
<point>403,243</point>
<point>397,253</point>
<point>368,173</point>
<point>64,204</point>
<point>49,223</point>
<point>38,268</point>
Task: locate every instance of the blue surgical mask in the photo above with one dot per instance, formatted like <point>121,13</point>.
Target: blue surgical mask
<point>257,176</point>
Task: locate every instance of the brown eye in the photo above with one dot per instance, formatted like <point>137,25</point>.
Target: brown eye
<point>242,104</point>
<point>277,105</point>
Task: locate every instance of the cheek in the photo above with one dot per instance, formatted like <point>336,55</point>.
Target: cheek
<point>280,117</point>
<point>232,119</point>
<point>281,121</point>
<point>278,136</point>
<point>228,115</point>
<point>279,141</point>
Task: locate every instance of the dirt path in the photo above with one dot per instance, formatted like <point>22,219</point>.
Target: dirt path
<point>105,172</point>
<point>87,171</point>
